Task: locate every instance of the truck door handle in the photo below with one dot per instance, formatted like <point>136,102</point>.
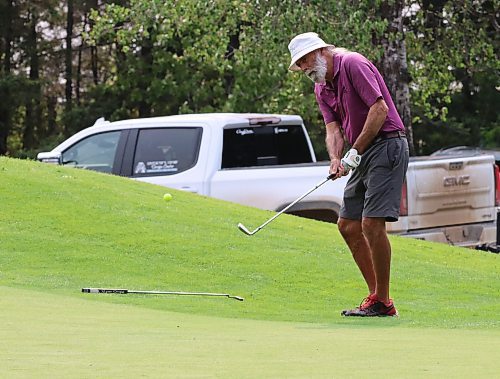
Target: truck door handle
<point>189,189</point>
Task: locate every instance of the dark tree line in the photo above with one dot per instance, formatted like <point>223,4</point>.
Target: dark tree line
<point>66,63</point>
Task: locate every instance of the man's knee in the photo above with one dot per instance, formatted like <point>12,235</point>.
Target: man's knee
<point>373,226</point>
<point>349,228</point>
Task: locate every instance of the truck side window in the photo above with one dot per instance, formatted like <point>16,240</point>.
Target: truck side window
<point>265,145</point>
<point>96,152</point>
<point>166,151</point>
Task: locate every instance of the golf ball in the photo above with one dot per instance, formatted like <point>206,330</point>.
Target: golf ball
<point>167,197</point>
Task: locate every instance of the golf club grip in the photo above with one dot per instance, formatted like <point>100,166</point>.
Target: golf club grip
<point>346,168</point>
<point>105,290</point>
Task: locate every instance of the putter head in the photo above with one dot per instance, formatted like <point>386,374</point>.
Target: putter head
<point>239,298</point>
<point>244,229</point>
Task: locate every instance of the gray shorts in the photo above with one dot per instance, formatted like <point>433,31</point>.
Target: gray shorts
<point>374,188</point>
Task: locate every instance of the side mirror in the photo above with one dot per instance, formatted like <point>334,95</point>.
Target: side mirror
<point>50,157</point>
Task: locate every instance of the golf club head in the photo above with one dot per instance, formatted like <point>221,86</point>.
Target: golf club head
<point>244,229</point>
<point>239,298</point>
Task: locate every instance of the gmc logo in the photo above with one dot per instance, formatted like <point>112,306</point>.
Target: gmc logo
<point>451,181</point>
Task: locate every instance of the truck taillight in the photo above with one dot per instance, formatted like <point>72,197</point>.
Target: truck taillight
<point>403,206</point>
<point>497,185</point>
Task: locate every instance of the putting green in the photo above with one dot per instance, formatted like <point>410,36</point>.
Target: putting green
<point>49,335</point>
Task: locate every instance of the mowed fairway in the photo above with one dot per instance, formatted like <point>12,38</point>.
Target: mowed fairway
<point>63,229</point>
<point>57,336</point>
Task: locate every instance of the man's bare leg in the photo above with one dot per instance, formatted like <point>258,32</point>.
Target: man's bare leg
<point>376,235</point>
<point>353,235</point>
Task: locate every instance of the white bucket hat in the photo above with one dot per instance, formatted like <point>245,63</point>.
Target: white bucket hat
<point>303,44</point>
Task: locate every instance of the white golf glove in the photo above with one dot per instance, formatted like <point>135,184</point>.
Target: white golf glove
<point>351,160</point>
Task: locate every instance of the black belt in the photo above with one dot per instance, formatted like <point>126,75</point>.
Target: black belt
<point>387,135</point>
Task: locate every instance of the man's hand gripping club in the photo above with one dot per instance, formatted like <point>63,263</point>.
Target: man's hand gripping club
<point>341,167</point>
<point>351,160</point>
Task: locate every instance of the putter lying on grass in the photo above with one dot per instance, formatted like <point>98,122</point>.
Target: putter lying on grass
<point>249,233</point>
<point>125,291</point>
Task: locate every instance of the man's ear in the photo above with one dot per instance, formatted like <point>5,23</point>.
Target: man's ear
<point>324,52</point>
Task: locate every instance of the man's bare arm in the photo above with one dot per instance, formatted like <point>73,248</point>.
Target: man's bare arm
<point>374,121</point>
<point>335,147</point>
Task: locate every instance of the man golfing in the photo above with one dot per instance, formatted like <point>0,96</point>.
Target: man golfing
<point>356,105</point>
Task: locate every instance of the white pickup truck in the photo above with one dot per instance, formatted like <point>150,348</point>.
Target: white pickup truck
<point>267,161</point>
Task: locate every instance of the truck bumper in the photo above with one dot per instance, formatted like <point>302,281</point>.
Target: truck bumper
<point>461,235</point>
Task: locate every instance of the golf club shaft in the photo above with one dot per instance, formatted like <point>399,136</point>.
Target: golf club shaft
<point>296,201</point>
<point>127,291</point>
<point>181,293</point>
<point>329,177</point>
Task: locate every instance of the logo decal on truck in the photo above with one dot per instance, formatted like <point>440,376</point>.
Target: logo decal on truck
<point>244,132</point>
<point>451,181</point>
<point>280,130</point>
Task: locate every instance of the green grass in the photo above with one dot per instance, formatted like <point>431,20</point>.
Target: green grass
<point>62,229</point>
<point>50,336</point>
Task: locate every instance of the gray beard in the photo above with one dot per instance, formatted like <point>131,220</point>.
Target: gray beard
<point>318,73</point>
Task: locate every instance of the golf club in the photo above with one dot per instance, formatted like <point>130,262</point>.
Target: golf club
<point>126,291</point>
<point>249,233</point>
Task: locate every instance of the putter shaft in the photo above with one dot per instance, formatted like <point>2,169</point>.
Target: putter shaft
<point>127,291</point>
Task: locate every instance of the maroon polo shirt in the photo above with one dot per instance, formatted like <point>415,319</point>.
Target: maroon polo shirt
<point>356,86</point>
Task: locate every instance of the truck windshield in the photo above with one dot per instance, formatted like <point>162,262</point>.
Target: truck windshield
<point>265,145</point>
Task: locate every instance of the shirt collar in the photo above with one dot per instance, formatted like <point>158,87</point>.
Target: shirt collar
<point>337,58</point>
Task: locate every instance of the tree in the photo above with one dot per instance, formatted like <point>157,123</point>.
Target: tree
<point>452,45</point>
<point>131,58</point>
<point>33,118</point>
<point>69,56</point>
<point>7,11</point>
<point>394,66</point>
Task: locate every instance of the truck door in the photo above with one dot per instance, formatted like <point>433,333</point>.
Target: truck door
<point>166,156</point>
<point>101,152</point>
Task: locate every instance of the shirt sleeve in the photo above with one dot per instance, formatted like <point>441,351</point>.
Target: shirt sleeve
<point>329,115</point>
<point>363,78</point>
